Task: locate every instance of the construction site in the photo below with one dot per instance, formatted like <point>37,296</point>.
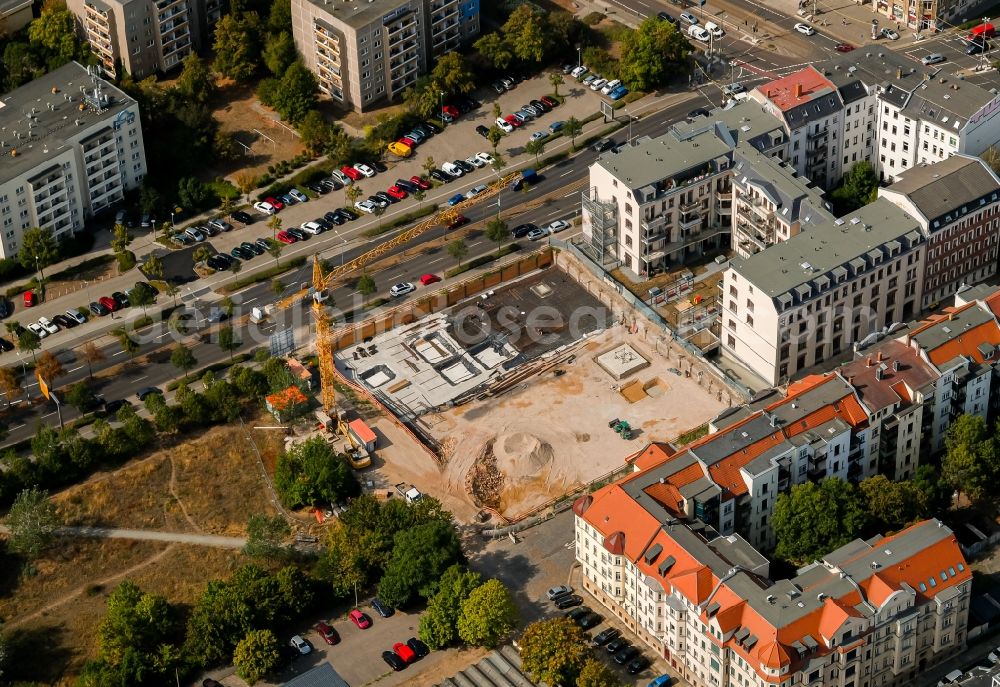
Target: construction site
<point>526,391</point>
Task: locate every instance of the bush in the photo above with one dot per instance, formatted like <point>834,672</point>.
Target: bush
<point>593,18</point>
<point>141,322</point>
<point>214,368</point>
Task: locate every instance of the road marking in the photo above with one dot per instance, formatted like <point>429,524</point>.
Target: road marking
<point>139,379</point>
<point>566,173</point>
<point>250,300</point>
<point>75,369</point>
<point>18,427</point>
<point>49,415</point>
<point>117,354</point>
<point>164,334</point>
<point>568,195</point>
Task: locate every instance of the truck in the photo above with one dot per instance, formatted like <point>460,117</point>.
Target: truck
<point>408,492</point>
<point>982,31</point>
<point>528,176</point>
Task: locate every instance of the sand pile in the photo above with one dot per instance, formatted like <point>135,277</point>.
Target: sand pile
<point>522,455</point>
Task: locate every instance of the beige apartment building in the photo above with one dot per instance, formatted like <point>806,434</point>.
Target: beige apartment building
<point>365,54</point>
<point>144,37</point>
<point>14,16</point>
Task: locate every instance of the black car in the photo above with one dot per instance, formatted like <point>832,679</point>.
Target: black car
<point>381,202</point>
<point>382,195</point>
<point>407,186</point>
<point>263,244</point>
<point>219,262</point>
<point>464,166</point>
<point>330,184</point>
<point>637,665</point>
<point>419,648</point>
<point>521,230</point>
<point>6,345</point>
<point>146,286</point>
<point>120,298</point>
<point>539,105</point>
<point>99,309</point>
<point>112,407</point>
<point>438,175</point>
<point>64,321</point>
<point>348,214</point>
<point>297,233</point>
<point>578,612</point>
<point>590,620</point>
<point>393,660</point>
<point>424,129</point>
<point>209,682</point>
<point>606,636</point>
<point>430,126</point>
<point>252,247</point>
<point>5,308</point>
<point>663,16</point>
<point>384,609</point>
<point>498,87</point>
<point>568,601</point>
<point>697,112</point>
<point>483,131</point>
<point>323,222</point>
<point>240,253</point>
<point>976,46</point>
<point>626,655</point>
<point>616,644</point>
<point>603,144</point>
<point>333,217</point>
<point>148,391</point>
<point>318,188</point>
<point>378,166</point>
<point>241,217</point>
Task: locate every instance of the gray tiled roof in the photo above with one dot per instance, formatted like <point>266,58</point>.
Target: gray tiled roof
<point>322,675</point>
<point>947,185</point>
<point>360,13</point>
<point>796,197</point>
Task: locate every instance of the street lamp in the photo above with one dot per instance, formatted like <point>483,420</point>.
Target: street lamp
<point>579,58</point>
<point>441,113</point>
<point>24,375</point>
<point>342,250</point>
<point>629,139</point>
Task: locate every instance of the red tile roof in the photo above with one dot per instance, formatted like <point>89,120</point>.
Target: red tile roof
<point>654,454</point>
<point>796,89</point>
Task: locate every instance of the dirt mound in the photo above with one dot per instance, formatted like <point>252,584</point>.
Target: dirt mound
<point>522,454</point>
<point>484,481</point>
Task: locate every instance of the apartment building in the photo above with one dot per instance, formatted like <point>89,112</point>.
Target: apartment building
<point>71,146</point>
<point>659,203</point>
<point>871,613</point>
<point>806,299</point>
<point>933,15</point>
<point>14,16</point>
<point>812,112</point>
<point>144,37</point>
<point>770,202</point>
<point>957,202</point>
<point>365,54</point>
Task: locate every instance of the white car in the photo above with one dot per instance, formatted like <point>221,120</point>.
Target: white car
<point>37,329</point>
<point>890,34</point>
<point>714,29</point>
<point>48,325</point>
<point>298,195</point>
<point>933,58</point>
<point>301,645</point>
<point>733,88</point>
<point>311,228</point>
<point>475,161</point>
<point>689,18</point>
<point>75,316</point>
<point>598,84</point>
<point>699,34</point>
<point>402,289</point>
<point>557,226</point>
<point>365,206</point>
<point>265,207</point>
<point>485,157</point>
<point>452,170</point>
<point>475,191</point>
<point>578,72</point>
<point>365,169</point>
<point>610,86</point>
<point>805,29</point>
<point>505,125</point>
<point>537,234</point>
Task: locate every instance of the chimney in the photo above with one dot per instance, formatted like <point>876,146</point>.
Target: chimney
<point>868,361</point>
<point>879,359</point>
<point>850,380</point>
<point>798,90</point>
<point>895,366</point>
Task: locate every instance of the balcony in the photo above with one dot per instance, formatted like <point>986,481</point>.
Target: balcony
<point>723,207</point>
<point>693,223</point>
<point>692,206</point>
<point>818,135</point>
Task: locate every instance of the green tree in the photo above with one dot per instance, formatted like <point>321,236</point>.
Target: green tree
<point>893,504</point>
<point>249,382</point>
<point>494,136</point>
<point>196,82</point>
<point>439,624</point>
<point>279,53</point>
<point>141,297</point>
<point>266,537</point>
<point>120,241</point>
<point>274,250</point>
<point>39,249</point>
<point>150,199</point>
<point>535,148</point>
<point>451,74</point>
<point>81,397</point>
<point>813,519</point>
<point>970,461</point>
<point>572,128</point>
<point>525,32</point>
<point>298,93</point>
<point>256,655</point>
<point>228,340</point>
<point>556,79</point>
<point>316,132</point>
<point>651,54</point>
<point>193,193</point>
<point>32,521</point>
<point>419,557</point>
<point>182,358</point>
<point>935,492</point>
<point>311,474</point>
<point>55,31</point>
<point>495,50</point>
<point>153,267</point>
<point>488,615</point>
<point>458,250</point>
<point>237,45</point>
<point>134,636</point>
<point>423,97</point>
<point>429,164</point>
<point>498,232</point>
<point>202,253</point>
<point>597,674</point>
<point>858,187</point>
<point>28,342</point>
<point>20,64</point>
<point>991,156</point>
<point>554,651</point>
<point>129,345</point>
<point>366,285</point>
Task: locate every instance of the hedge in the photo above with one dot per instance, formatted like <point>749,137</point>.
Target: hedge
<point>401,220</point>
<point>306,176</point>
<point>213,368</point>
<point>482,260</point>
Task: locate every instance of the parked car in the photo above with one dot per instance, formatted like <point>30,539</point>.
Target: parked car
<point>805,29</point>
<point>275,202</point>
<point>37,330</point>
<point>483,131</point>
<point>637,665</point>
<point>418,647</point>
<point>625,655</point>
<point>698,112</point>
<point>48,325</point>
<point>195,233</point>
<point>578,612</point>
<point>384,199</point>
<point>452,170</point>
<point>404,652</point>
<point>312,228</point>
<point>568,601</point>
<point>588,621</point>
<point>239,253</point>
<point>264,207</point>
<point>522,230</point>
<point>537,234</point>
<point>300,645</point>
<point>252,248</point>
<point>298,195</point>
<point>5,308</point>
<point>505,125</point>
<point>382,608</point>
<point>142,394</point>
<point>366,206</point>
<point>610,86</point>
<point>689,18</point>
<point>393,660</point>
<point>76,316</point>
<point>550,101</point>
<point>617,643</point>
<point>557,226</point>
<point>99,309</point>
<point>618,93</point>
<point>341,176</point>
<point>318,188</point>
<point>400,149</point>
<point>297,233</point>
<point>475,161</point>
<point>732,89</point>
<point>438,175</point>
<point>218,262</point>
<point>933,58</point>
<point>397,192</point>
<point>890,34</point>
<point>264,244</point>
<point>351,173</point>
<point>220,224</point>
<point>558,590</point>
<point>539,105</point>
<point>401,289</point>
<point>605,636</point>
<point>556,126</point>
<point>288,200</point>
<point>428,279</point>
<point>486,158</point>
<point>360,619</point>
<point>110,303</point>
<point>121,299</point>
<point>603,145</point>
<point>328,634</point>
<point>285,237</point>
<point>579,71</point>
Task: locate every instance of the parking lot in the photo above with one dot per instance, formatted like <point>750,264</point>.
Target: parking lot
<point>952,46</point>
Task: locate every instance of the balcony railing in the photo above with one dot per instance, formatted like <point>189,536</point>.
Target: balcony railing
<point>693,223</point>
<point>817,135</point>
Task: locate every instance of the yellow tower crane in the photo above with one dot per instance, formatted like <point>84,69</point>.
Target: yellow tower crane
<point>324,321</point>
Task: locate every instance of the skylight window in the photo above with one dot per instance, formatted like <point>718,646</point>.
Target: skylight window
<point>933,582</point>
<point>923,587</point>
<point>961,567</point>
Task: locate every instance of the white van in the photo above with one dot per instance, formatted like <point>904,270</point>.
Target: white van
<point>714,29</point>
<point>698,33</point>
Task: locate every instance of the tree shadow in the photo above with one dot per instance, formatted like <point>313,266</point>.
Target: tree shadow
<point>11,566</point>
<point>41,653</point>
<point>514,570</point>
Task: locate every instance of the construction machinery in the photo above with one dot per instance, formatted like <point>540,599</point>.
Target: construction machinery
<point>320,282</point>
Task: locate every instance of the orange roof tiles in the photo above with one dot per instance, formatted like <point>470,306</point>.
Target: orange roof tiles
<point>796,89</point>
<point>966,343</point>
<point>652,455</point>
<point>726,473</point>
<point>695,584</point>
<point>774,655</point>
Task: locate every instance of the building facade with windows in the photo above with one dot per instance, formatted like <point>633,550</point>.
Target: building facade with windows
<point>144,37</point>
<point>366,54</point>
<point>14,16</point>
<point>924,15</point>
<point>72,145</point>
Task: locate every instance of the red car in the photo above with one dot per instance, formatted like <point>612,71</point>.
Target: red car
<point>396,192</point>
<point>285,237</point>
<point>404,652</point>
<point>407,141</point>
<point>110,303</point>
<point>275,202</point>
<point>843,47</point>
<point>451,111</point>
<point>429,279</point>
<point>513,121</point>
<point>29,298</point>
<point>351,173</point>
<point>328,634</point>
<point>360,619</point>
<point>551,102</point>
<point>458,221</point>
<point>420,182</point>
